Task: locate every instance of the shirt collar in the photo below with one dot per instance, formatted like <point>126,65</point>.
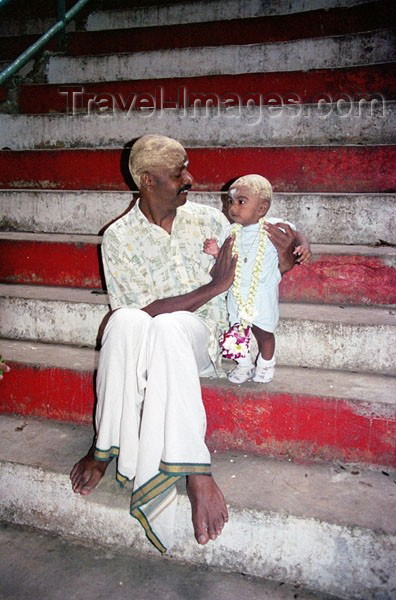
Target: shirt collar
<point>143,220</point>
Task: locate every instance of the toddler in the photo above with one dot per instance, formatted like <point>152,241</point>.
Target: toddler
<point>252,300</point>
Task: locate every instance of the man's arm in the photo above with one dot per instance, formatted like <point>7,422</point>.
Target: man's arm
<point>222,273</point>
<point>284,239</point>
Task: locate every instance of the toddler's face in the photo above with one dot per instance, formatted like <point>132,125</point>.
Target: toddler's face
<point>245,207</point>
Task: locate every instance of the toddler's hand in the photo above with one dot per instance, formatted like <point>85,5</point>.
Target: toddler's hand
<point>210,247</point>
<point>3,367</point>
<point>303,254</point>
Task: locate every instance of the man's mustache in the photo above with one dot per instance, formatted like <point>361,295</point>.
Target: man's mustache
<point>185,188</point>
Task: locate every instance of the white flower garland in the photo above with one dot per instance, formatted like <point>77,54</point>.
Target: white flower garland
<point>246,309</point>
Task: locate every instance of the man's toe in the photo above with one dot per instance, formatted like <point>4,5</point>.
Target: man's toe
<point>85,490</point>
<point>201,534</point>
<point>213,531</point>
<point>202,539</point>
<point>80,481</point>
<point>219,524</point>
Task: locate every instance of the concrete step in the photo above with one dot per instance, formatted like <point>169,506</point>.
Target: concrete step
<point>50,314</point>
<point>122,15</point>
<point>26,71</point>
<point>373,81</point>
<point>316,336</point>
<point>12,46</point>
<point>41,7</point>
<point>33,25</point>
<point>209,10</point>
<point>158,15</point>
<point>335,169</point>
<point>314,53</point>
<point>303,414</point>
<point>336,274</point>
<point>274,28</point>
<point>259,126</point>
<point>31,18</point>
<point>358,219</point>
<point>319,525</point>
<point>83,569</point>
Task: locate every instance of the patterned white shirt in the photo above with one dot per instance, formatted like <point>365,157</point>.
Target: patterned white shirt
<point>143,263</point>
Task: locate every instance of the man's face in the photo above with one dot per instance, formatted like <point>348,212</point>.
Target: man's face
<point>173,180</point>
<point>245,207</point>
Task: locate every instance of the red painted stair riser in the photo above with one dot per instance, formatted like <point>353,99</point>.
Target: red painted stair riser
<point>302,428</point>
<point>349,169</point>
<point>328,279</point>
<point>352,84</point>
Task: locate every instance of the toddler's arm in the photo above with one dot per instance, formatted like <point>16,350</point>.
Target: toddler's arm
<point>3,367</point>
<point>211,247</point>
<point>302,251</point>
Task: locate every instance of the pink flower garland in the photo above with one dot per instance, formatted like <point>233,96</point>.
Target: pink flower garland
<point>235,342</point>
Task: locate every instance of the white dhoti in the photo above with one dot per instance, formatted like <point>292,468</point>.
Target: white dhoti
<point>150,413</point>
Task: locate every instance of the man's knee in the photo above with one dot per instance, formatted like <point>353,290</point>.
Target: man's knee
<point>123,319</point>
<point>180,324</point>
<point>163,323</point>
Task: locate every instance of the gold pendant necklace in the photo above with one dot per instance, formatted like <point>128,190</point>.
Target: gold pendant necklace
<point>245,254</point>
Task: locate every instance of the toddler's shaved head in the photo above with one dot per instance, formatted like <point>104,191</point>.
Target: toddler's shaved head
<point>257,184</point>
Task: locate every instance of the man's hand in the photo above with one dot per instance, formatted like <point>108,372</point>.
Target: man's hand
<point>284,239</point>
<point>223,271</point>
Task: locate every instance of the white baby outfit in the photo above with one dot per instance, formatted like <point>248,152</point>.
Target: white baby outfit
<point>267,297</point>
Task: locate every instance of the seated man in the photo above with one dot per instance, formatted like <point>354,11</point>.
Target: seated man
<point>158,342</point>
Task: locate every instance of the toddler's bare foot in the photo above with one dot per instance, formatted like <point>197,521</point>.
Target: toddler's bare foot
<point>87,473</point>
<point>209,510</point>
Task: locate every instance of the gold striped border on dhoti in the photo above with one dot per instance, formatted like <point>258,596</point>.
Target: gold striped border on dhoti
<point>141,517</point>
<point>182,469</point>
<point>122,479</point>
<point>151,498</point>
<point>168,474</point>
<point>106,455</point>
<point>152,488</point>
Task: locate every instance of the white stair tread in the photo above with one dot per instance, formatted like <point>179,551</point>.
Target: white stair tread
<point>56,238</point>
<point>328,492</point>
<point>386,252</point>
<point>319,524</point>
<point>322,336</point>
<point>259,126</point>
<point>313,53</point>
<point>198,12</point>
<point>312,312</point>
<point>187,12</point>
<point>324,217</point>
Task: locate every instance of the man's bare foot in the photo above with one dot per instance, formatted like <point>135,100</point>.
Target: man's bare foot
<point>87,473</point>
<point>209,510</point>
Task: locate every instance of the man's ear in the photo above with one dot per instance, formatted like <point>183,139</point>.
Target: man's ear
<point>146,180</point>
